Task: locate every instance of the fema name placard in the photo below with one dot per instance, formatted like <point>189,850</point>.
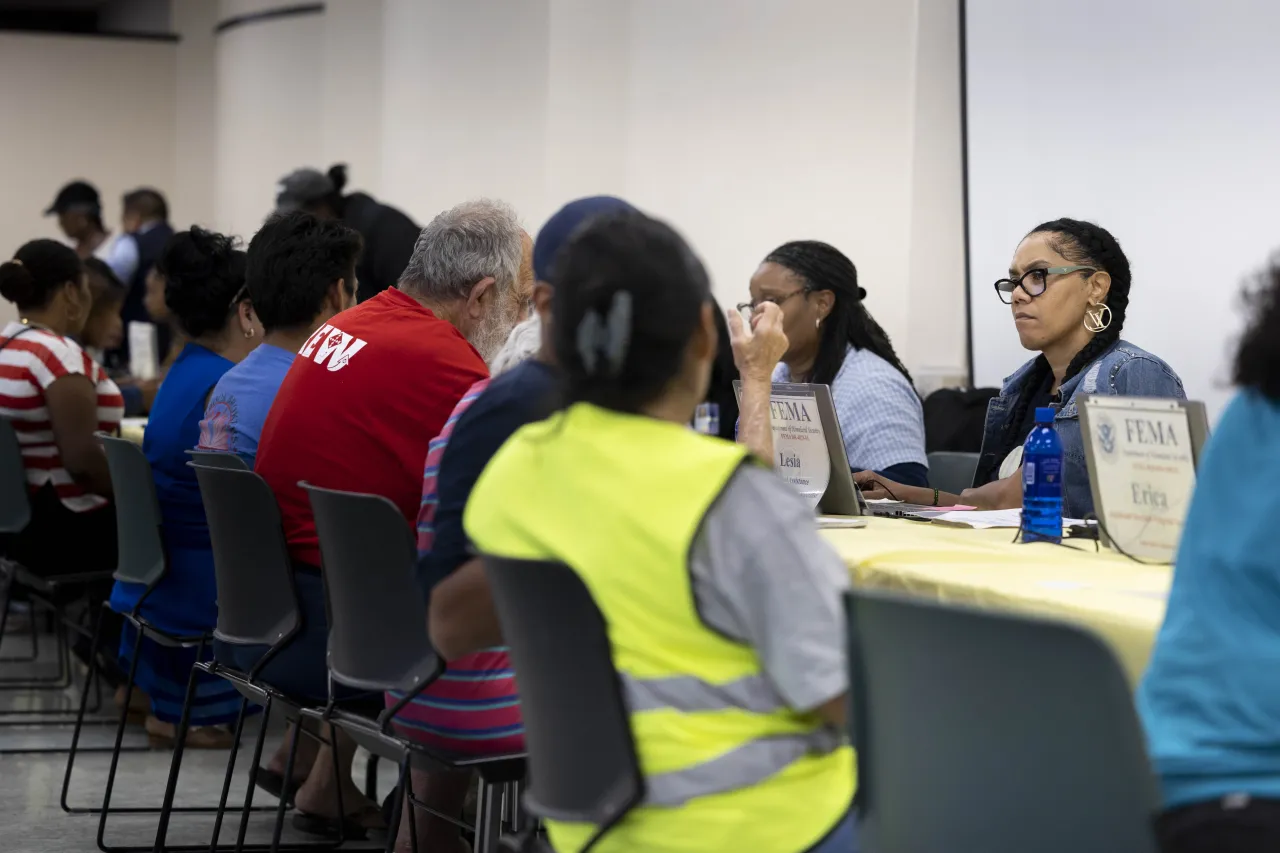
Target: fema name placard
<point>799,442</point>
<point>1142,469</point>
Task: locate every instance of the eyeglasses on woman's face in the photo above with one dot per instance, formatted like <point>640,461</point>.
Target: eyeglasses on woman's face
<point>748,308</point>
<point>1034,281</point>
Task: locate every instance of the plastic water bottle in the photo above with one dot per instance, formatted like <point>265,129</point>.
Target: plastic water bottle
<point>706,419</point>
<point>1042,481</point>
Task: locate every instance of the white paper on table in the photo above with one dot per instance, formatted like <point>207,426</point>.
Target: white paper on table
<point>982,519</point>
<point>143,362</point>
<point>986,519</point>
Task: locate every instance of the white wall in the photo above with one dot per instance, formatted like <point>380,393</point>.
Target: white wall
<point>1161,127</point>
<point>745,123</point>
<point>71,107</point>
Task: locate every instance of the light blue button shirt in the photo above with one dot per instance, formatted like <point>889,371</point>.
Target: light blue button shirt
<point>880,414</point>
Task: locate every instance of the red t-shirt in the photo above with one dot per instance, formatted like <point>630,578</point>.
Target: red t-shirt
<point>357,411</point>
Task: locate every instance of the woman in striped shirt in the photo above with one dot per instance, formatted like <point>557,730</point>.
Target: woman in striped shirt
<point>57,397</point>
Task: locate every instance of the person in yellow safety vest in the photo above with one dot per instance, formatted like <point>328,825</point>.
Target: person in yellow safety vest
<point>723,604</point>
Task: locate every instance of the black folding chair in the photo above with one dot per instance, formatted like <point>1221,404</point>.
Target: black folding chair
<point>141,560</point>
<point>984,732</point>
<point>257,606</point>
<point>378,642</point>
<point>45,594</point>
<point>583,766</point>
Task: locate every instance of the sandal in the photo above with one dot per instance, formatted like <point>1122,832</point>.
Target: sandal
<point>273,783</point>
<point>353,827</point>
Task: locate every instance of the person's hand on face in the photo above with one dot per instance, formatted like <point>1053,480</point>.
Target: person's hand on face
<point>757,346</point>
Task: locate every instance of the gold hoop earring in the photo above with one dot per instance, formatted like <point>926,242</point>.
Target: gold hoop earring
<point>818,323</point>
<point>1099,318</point>
<point>249,334</point>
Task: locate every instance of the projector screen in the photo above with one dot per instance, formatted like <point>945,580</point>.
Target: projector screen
<point>1157,119</point>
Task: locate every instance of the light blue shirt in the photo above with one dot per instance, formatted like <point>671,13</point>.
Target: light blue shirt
<point>1210,699</point>
<point>880,413</point>
<point>238,406</point>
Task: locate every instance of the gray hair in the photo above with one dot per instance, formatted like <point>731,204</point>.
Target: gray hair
<point>474,240</point>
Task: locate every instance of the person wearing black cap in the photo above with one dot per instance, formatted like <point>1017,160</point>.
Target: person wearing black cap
<point>388,234</point>
<point>79,210</point>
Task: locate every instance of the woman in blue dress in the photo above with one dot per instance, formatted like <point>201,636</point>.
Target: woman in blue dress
<point>204,292</point>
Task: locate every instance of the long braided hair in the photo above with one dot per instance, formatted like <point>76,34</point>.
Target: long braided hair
<point>824,267</point>
<point>1092,245</point>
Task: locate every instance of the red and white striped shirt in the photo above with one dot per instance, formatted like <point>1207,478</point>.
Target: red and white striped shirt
<point>29,363</point>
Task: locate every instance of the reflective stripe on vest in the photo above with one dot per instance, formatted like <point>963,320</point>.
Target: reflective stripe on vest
<point>747,765</point>
<point>687,693</point>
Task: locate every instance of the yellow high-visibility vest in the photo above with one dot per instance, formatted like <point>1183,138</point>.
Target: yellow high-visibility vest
<point>620,498</point>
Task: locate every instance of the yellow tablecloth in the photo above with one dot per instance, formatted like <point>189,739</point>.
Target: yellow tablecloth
<point>133,428</point>
<point>1121,600</point>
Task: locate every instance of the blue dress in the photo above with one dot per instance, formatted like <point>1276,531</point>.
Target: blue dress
<point>185,601</point>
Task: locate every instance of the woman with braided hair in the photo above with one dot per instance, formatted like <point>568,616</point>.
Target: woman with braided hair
<point>833,340</point>
<point>1068,288</point>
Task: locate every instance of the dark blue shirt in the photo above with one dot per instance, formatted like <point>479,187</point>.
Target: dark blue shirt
<point>525,394</point>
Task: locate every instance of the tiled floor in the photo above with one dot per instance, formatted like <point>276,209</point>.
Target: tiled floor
<point>31,820</point>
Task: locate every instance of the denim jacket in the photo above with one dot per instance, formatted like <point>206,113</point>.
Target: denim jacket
<point>1123,371</point>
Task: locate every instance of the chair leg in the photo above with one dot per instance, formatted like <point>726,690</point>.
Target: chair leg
<point>288,774</point>
<point>231,769</point>
<point>399,812</point>
<point>337,781</point>
<point>179,745</point>
<point>115,754</point>
<point>488,817</point>
<point>253,776</point>
<point>84,702</point>
<point>371,778</point>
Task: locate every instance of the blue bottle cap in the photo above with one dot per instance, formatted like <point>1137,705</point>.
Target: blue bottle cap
<point>1045,414</point>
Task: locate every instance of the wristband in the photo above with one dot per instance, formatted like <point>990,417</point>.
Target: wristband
<point>935,497</point>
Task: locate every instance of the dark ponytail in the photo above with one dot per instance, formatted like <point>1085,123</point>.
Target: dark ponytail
<point>824,267</point>
<point>1091,245</point>
<point>36,273</point>
<point>629,294</point>
<point>337,175</point>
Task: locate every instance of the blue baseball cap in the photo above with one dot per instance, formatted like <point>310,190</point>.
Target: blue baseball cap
<point>564,222</point>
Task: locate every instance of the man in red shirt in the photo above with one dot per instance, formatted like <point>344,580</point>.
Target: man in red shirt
<point>364,397</point>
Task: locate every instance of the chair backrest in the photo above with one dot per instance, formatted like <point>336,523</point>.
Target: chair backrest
<point>952,472</point>
<point>15,500</point>
<point>140,546</point>
<point>219,459</point>
<point>982,732</point>
<point>257,601</point>
<point>377,617</point>
<point>582,756</point>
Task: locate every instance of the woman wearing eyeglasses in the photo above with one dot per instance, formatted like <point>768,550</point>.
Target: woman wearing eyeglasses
<point>833,340</point>
<point>1068,288</point>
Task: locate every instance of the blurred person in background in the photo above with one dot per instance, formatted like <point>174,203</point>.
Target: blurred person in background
<point>57,397</point>
<point>1210,700</point>
<point>357,412</point>
<point>104,327</point>
<point>204,290</point>
<point>834,340</point>
<point>146,230</point>
<point>79,210</point>
<point>389,235</point>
